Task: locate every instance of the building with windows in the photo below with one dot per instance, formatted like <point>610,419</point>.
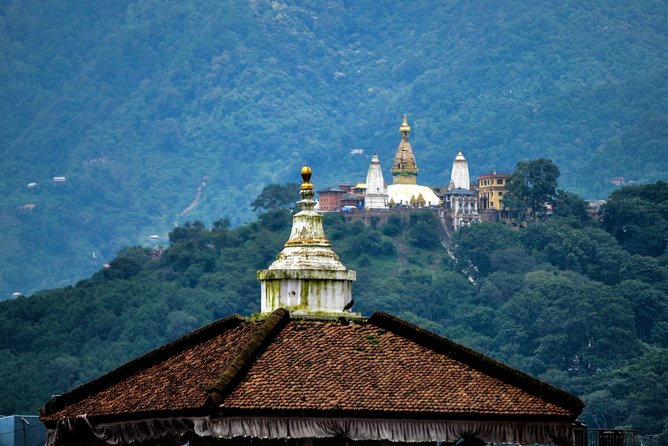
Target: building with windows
<point>491,189</point>
<point>329,200</point>
<point>460,202</point>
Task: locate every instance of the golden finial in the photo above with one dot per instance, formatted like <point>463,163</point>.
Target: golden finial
<point>404,126</point>
<point>460,153</point>
<point>306,176</point>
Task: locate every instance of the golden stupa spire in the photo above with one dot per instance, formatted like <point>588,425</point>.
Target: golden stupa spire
<point>404,169</point>
<point>404,126</point>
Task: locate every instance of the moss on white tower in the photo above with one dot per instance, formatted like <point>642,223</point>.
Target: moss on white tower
<point>307,276</point>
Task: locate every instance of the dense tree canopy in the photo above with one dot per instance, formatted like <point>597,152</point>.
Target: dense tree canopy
<point>638,217</point>
<point>532,187</point>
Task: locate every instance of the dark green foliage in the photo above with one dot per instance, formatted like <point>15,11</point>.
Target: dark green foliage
<point>122,268</point>
<point>393,226</point>
<point>570,206</point>
<point>532,186</point>
<point>590,250</point>
<point>475,245</point>
<point>276,196</point>
<point>638,217</point>
<point>423,230</point>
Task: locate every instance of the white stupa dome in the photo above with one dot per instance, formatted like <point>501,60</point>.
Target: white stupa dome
<point>401,194</point>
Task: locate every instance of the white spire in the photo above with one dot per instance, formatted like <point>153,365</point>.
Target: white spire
<point>460,173</point>
<point>307,276</point>
<point>376,191</point>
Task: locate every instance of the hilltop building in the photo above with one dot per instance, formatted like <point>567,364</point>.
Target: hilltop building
<point>313,374</point>
<point>462,207</point>
<point>376,190</point>
<point>404,190</point>
<point>491,189</point>
<point>345,196</point>
<point>459,178</point>
<point>329,200</point>
<point>460,201</point>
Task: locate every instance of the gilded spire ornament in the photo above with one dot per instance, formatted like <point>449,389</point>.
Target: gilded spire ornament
<point>405,128</point>
<point>306,176</point>
<point>404,169</point>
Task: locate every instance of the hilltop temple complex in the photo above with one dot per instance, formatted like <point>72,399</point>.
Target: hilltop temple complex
<point>404,190</point>
<point>460,202</point>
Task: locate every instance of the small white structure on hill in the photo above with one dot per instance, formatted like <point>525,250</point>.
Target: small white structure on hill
<point>376,190</point>
<point>461,202</point>
<point>459,179</point>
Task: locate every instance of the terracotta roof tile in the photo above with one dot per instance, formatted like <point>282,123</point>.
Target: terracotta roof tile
<point>180,380</point>
<point>381,366</point>
<point>321,366</point>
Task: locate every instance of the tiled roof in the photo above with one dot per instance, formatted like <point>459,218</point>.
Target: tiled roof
<point>381,367</point>
<point>174,377</point>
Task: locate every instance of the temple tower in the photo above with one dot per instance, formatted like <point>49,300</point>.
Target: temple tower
<point>376,191</point>
<point>404,169</point>
<point>307,276</point>
<point>459,179</point>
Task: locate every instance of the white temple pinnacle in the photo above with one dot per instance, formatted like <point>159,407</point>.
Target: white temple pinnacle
<point>460,173</point>
<point>376,190</point>
<point>307,276</point>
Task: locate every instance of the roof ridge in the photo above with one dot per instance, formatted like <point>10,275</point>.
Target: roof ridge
<point>246,357</point>
<point>506,373</point>
<point>141,362</point>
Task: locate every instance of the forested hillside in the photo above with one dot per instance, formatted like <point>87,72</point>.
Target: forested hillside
<point>573,302</point>
<point>139,103</point>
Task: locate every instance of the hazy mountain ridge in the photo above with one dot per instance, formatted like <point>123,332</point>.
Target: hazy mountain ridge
<point>136,102</point>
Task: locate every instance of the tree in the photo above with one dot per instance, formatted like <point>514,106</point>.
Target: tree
<point>571,206</point>
<point>638,217</point>
<point>568,323</point>
<point>276,196</point>
<point>423,230</point>
<point>474,246</point>
<point>531,187</point>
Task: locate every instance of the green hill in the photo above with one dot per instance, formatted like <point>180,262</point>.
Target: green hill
<point>136,102</point>
<point>580,305</point>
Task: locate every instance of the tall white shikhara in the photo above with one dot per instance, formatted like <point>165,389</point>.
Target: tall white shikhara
<point>459,179</point>
<point>376,190</point>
